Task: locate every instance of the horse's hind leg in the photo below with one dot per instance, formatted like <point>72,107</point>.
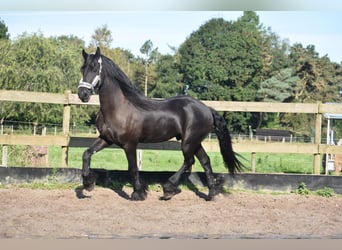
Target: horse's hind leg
<point>205,162</point>
<point>170,188</point>
<point>89,177</point>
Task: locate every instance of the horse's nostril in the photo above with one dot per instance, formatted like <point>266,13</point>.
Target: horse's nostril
<point>84,95</point>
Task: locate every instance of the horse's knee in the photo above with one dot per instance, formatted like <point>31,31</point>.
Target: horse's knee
<point>86,155</point>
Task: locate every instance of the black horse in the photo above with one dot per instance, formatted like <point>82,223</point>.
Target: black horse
<point>127,117</point>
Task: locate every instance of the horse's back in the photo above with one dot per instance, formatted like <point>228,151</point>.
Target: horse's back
<point>176,117</point>
<point>192,113</point>
<point>190,106</point>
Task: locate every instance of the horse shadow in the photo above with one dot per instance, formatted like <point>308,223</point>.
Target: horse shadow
<point>116,180</point>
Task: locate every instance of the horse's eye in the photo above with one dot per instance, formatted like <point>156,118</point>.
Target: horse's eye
<point>93,67</point>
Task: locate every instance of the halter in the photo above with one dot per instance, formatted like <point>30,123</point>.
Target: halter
<point>95,81</point>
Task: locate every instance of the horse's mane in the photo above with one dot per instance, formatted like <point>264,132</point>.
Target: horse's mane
<point>130,91</point>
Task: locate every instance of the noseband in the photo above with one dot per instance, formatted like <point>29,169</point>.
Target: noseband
<point>95,81</point>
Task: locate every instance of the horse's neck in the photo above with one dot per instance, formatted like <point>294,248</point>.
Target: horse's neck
<point>111,95</point>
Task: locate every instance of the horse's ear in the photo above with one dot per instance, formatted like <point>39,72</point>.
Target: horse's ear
<point>84,54</point>
<point>98,53</point>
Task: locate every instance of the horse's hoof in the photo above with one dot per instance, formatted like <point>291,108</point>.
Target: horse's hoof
<point>169,191</point>
<point>210,197</point>
<point>89,181</point>
<point>168,196</point>
<point>138,196</point>
<point>89,187</point>
<point>212,194</point>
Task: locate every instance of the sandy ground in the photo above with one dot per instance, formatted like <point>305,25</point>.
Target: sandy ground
<point>103,213</point>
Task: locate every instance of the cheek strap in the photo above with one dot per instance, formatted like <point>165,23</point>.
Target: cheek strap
<point>95,81</point>
<point>88,85</point>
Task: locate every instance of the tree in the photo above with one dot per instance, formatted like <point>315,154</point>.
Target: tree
<point>278,88</point>
<point>223,60</point>
<point>319,78</point>
<point>102,37</point>
<point>203,58</point>
<point>223,53</point>
<point>275,54</point>
<point>3,30</point>
<point>36,63</point>
<point>168,78</point>
<point>150,56</point>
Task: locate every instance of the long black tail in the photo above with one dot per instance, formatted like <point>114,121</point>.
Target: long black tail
<point>229,157</point>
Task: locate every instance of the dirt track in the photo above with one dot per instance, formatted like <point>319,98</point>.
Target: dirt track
<point>32,213</point>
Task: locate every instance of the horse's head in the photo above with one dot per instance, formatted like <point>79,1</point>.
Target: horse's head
<point>91,74</point>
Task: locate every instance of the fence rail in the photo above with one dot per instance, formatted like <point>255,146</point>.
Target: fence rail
<point>317,149</point>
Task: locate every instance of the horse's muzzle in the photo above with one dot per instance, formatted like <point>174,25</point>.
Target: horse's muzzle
<point>84,94</point>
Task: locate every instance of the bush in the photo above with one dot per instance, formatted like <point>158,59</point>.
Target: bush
<point>325,192</point>
<point>302,189</point>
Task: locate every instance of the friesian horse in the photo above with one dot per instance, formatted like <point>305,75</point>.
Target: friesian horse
<point>127,117</point>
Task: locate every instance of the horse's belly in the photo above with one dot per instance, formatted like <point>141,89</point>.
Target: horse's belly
<point>159,133</point>
<point>157,137</point>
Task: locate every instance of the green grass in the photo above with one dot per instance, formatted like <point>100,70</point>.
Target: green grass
<point>284,163</point>
<point>164,160</point>
<point>42,185</point>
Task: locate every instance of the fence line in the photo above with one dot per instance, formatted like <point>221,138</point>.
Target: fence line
<point>66,140</point>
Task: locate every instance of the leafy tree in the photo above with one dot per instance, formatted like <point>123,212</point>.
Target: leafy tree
<point>275,54</point>
<point>3,30</point>
<point>7,61</point>
<point>319,80</point>
<point>225,53</point>
<point>278,88</point>
<point>222,60</point>
<point>46,64</point>
<point>168,78</point>
<point>36,63</point>
<point>200,60</point>
<point>102,37</point>
<point>150,56</point>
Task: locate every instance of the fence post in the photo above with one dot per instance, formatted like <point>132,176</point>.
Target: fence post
<point>253,162</point>
<point>66,127</point>
<point>318,134</point>
<point>4,156</point>
<point>4,162</point>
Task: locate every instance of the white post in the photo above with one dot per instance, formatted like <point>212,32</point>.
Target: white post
<point>139,159</point>
<point>4,156</point>
<point>328,142</point>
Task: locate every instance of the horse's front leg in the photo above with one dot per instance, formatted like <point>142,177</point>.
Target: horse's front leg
<point>139,188</point>
<point>88,176</point>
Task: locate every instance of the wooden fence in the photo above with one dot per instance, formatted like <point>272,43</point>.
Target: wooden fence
<point>317,149</point>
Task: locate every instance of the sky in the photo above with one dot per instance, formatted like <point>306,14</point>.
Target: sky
<point>131,28</point>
